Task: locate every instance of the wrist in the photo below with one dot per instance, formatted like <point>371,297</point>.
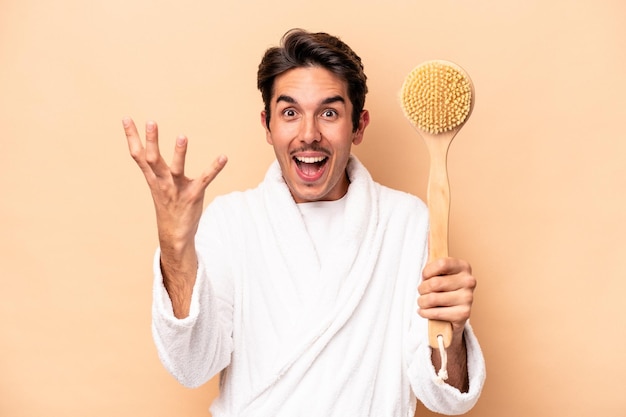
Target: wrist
<point>179,276</point>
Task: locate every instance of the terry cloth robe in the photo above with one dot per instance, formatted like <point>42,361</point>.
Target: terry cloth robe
<point>296,337</point>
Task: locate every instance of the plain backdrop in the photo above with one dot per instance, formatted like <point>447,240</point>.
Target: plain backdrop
<point>537,174</point>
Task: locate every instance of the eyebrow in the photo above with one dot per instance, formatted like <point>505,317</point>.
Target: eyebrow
<point>333,99</point>
<point>329,100</point>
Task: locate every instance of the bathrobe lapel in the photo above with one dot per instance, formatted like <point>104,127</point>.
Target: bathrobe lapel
<point>343,279</point>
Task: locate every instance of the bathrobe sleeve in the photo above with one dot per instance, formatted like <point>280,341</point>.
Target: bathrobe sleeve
<point>438,396</point>
<point>196,348</point>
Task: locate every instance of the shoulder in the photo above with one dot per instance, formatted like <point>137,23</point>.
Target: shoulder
<point>234,200</point>
<point>405,215</point>
<point>398,201</point>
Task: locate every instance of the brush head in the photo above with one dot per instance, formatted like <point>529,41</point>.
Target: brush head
<point>437,96</point>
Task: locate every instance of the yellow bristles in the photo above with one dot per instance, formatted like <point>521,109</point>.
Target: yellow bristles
<point>437,96</point>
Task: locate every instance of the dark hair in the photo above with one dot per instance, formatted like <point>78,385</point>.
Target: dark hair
<point>299,48</point>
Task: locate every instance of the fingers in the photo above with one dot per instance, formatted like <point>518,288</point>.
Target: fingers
<point>149,158</point>
<point>457,315</point>
<point>135,147</point>
<point>452,306</point>
<point>209,174</point>
<point>134,141</point>
<point>154,166</point>
<point>446,266</point>
<point>461,297</point>
<point>178,162</point>
<point>447,291</point>
<point>446,274</point>
<point>153,155</point>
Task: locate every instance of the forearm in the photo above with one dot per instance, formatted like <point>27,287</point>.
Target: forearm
<point>195,347</point>
<point>179,266</point>
<point>457,363</point>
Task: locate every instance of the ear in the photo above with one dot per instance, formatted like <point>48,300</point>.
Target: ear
<point>268,134</point>
<point>364,120</point>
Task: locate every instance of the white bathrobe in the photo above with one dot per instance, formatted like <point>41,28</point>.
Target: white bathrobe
<point>297,337</point>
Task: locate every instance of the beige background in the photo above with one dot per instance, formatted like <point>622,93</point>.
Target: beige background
<point>538,177</point>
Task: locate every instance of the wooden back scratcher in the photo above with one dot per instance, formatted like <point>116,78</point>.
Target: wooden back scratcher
<point>438,98</point>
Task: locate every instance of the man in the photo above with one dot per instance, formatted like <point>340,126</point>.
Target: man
<point>306,292</point>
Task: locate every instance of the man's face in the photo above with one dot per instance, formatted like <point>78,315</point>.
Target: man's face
<point>311,132</point>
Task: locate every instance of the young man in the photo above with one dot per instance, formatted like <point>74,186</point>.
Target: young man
<point>309,293</point>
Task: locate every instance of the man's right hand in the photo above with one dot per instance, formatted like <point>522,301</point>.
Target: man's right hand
<point>178,201</point>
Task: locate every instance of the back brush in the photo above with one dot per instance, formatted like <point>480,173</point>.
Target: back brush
<point>437,97</point>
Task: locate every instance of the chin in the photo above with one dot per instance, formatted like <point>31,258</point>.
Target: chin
<point>304,195</point>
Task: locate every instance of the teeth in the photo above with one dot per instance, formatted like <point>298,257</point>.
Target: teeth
<point>310,159</point>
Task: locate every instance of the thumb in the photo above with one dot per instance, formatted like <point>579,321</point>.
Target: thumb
<point>210,173</point>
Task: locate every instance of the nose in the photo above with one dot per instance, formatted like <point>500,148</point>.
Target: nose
<point>310,132</point>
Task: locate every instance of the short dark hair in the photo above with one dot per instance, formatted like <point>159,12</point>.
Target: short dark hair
<point>299,48</point>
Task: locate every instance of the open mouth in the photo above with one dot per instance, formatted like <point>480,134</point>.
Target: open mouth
<point>310,167</point>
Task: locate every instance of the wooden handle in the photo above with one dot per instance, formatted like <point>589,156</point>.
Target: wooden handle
<point>439,210</point>
<point>438,328</point>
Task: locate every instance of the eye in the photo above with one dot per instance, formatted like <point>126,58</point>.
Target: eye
<point>289,113</point>
<point>329,114</point>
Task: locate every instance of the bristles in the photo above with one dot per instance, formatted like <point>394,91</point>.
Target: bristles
<point>436,97</point>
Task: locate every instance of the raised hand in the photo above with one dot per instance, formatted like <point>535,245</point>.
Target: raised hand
<point>178,202</point>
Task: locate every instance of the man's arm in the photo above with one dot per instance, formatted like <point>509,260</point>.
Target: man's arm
<point>457,363</point>
<point>447,293</point>
<point>178,202</point>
